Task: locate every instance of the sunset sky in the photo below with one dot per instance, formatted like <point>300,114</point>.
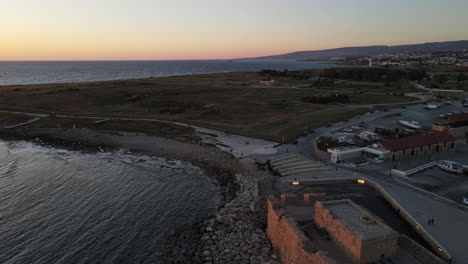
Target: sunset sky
<point>217,29</point>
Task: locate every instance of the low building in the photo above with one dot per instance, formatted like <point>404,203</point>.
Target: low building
<point>340,154</point>
<point>456,125</point>
<point>359,232</point>
<point>267,82</point>
<point>418,145</point>
<point>457,94</point>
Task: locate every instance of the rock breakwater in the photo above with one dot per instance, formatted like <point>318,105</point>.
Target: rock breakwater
<point>233,235</point>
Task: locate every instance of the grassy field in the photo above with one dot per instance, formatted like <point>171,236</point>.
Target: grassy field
<point>450,71</point>
<point>369,87</point>
<point>232,102</point>
<point>449,85</point>
<point>181,133</point>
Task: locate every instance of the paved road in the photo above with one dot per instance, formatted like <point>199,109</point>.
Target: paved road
<point>306,145</point>
<point>451,220</point>
<point>23,124</point>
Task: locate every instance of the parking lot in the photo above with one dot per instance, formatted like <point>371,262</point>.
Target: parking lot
<point>418,113</point>
<point>450,185</point>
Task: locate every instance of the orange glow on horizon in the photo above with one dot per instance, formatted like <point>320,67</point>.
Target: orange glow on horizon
<point>210,29</point>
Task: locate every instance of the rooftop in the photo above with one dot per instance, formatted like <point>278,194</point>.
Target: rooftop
<point>345,150</point>
<point>457,118</point>
<point>418,141</point>
<point>357,219</point>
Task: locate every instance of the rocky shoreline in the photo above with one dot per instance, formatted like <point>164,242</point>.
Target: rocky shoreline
<point>235,234</point>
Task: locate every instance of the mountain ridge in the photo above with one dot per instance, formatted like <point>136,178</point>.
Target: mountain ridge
<point>373,50</point>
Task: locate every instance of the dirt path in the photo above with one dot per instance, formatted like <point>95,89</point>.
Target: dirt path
<point>239,146</point>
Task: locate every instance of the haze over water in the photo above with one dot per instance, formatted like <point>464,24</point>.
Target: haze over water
<point>12,73</point>
<point>68,207</point>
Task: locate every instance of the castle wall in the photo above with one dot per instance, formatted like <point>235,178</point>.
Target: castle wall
<point>289,240</point>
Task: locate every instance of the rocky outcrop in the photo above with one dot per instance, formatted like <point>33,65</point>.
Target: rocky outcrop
<point>233,235</point>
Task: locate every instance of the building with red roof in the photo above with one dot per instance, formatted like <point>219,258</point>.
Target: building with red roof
<point>456,125</point>
<point>419,145</point>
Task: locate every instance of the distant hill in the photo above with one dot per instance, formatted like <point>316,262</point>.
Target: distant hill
<point>371,51</point>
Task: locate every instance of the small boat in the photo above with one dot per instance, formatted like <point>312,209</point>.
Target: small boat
<point>410,124</point>
<point>451,167</point>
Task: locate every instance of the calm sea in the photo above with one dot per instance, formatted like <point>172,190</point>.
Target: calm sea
<point>67,207</point>
<point>84,71</point>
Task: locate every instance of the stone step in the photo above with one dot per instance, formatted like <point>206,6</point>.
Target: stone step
<point>305,171</point>
<point>293,163</point>
<point>305,166</point>
<point>284,157</point>
<point>284,162</point>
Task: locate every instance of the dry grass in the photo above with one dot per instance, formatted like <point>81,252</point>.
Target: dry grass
<point>231,102</point>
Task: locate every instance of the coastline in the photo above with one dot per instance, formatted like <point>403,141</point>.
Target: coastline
<point>114,71</point>
<point>239,200</point>
<point>216,163</point>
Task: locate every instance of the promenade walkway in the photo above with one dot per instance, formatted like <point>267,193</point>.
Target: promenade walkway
<point>450,226</point>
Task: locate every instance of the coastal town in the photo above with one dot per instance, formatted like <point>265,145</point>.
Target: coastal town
<point>234,132</point>
<point>413,158</point>
<point>455,58</point>
<point>354,188</point>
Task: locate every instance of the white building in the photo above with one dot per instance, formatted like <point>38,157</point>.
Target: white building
<point>349,153</point>
<point>267,82</point>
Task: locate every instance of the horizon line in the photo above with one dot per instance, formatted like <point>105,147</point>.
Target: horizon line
<point>229,59</point>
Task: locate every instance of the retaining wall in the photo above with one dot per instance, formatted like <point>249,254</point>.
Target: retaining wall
<point>418,251</point>
<point>362,250</point>
<point>436,246</point>
<point>286,237</point>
